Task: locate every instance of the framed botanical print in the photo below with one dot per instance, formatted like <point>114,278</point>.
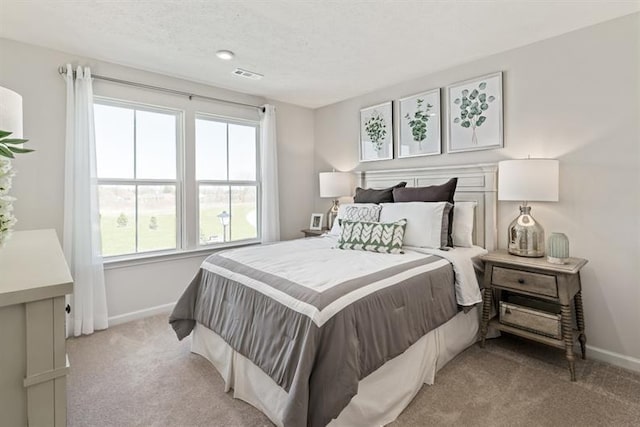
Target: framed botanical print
<point>376,132</point>
<point>474,119</point>
<point>419,129</point>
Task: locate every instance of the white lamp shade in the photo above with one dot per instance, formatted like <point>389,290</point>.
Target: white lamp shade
<point>528,180</point>
<point>335,184</point>
<point>11,112</point>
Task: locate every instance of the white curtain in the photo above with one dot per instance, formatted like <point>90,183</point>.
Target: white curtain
<point>269,168</point>
<point>81,241</point>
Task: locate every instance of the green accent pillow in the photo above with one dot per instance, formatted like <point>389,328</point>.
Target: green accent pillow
<point>372,236</point>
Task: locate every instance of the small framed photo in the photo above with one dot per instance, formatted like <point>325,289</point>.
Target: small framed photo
<point>316,221</point>
<point>419,117</point>
<point>376,132</point>
<point>474,119</point>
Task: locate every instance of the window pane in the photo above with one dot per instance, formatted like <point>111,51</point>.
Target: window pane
<point>242,152</point>
<point>211,150</point>
<point>244,213</point>
<point>117,219</point>
<point>214,204</point>
<point>155,145</point>
<point>114,141</point>
<point>156,217</point>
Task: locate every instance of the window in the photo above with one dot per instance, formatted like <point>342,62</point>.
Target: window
<point>138,180</point>
<point>161,192</point>
<point>227,180</point>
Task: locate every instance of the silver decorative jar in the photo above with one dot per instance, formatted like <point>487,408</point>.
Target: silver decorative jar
<point>558,248</point>
<point>526,235</point>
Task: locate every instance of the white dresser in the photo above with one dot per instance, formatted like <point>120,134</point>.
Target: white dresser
<point>34,278</point>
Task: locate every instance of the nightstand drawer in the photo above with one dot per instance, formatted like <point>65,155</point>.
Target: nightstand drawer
<point>537,321</point>
<point>542,284</point>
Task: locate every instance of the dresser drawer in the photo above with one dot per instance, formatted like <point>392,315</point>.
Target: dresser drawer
<point>537,283</point>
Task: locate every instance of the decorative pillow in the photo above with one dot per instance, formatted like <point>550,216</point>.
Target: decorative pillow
<point>427,223</point>
<point>372,236</point>
<point>370,195</point>
<point>356,212</point>
<point>462,230</point>
<point>432,193</point>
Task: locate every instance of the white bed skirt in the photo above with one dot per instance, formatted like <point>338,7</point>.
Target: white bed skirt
<point>400,378</point>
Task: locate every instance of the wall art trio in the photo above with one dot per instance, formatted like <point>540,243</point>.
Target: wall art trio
<point>474,121</point>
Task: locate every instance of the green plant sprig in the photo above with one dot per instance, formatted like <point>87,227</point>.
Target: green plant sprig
<point>473,107</point>
<point>8,145</point>
<point>419,122</point>
<point>376,128</point>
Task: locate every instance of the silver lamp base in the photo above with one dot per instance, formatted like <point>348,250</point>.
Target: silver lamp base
<point>332,214</point>
<point>526,235</point>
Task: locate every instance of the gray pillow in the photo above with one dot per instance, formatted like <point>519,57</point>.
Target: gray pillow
<point>371,195</point>
<point>432,193</point>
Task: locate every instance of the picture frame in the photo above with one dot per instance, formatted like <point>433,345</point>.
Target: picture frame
<point>475,114</point>
<point>419,118</point>
<point>316,221</point>
<point>376,132</point>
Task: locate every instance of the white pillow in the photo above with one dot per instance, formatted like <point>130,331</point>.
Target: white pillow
<point>369,212</point>
<point>427,222</point>
<point>462,230</point>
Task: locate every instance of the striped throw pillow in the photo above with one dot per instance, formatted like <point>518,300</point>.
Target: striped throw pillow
<point>372,236</point>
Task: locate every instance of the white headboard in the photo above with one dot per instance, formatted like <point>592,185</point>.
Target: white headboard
<point>475,183</point>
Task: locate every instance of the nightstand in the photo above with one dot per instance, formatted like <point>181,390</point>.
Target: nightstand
<point>314,233</point>
<point>534,299</point>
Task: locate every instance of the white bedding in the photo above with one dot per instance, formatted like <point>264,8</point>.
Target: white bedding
<point>301,261</point>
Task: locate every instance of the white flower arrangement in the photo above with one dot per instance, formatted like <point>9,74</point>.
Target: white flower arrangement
<point>6,174</point>
<point>7,220</point>
<point>9,147</point>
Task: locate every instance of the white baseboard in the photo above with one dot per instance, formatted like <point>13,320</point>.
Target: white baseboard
<point>141,314</point>
<point>616,359</point>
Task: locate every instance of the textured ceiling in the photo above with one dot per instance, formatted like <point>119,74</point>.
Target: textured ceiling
<point>312,53</point>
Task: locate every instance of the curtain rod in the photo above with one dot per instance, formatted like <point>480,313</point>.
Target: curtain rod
<point>62,71</point>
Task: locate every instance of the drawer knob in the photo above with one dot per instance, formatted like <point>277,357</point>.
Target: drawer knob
<point>67,308</point>
<point>521,281</point>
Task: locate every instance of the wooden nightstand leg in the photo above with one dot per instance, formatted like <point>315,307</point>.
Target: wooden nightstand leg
<point>486,311</point>
<point>567,336</point>
<point>580,321</point>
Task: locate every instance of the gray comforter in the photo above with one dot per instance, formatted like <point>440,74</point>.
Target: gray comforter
<point>296,335</point>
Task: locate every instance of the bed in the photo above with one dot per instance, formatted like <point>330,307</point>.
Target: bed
<point>311,335</point>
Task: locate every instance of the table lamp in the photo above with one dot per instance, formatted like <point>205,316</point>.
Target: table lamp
<point>334,185</point>
<point>528,180</point>
<point>11,112</point>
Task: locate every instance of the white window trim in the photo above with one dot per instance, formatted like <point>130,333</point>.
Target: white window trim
<point>257,183</point>
<point>187,187</point>
<point>177,182</point>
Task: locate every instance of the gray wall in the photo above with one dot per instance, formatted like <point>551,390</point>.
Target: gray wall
<point>575,98</point>
<point>39,185</point>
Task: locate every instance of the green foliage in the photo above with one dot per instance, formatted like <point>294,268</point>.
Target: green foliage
<point>122,220</point>
<point>376,128</point>
<point>418,123</point>
<point>473,106</point>
<point>8,145</point>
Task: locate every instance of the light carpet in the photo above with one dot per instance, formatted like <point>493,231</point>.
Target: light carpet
<point>138,374</point>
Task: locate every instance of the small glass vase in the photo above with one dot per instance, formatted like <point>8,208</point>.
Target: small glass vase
<point>558,248</point>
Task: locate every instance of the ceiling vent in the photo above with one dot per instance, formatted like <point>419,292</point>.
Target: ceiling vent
<point>247,74</point>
